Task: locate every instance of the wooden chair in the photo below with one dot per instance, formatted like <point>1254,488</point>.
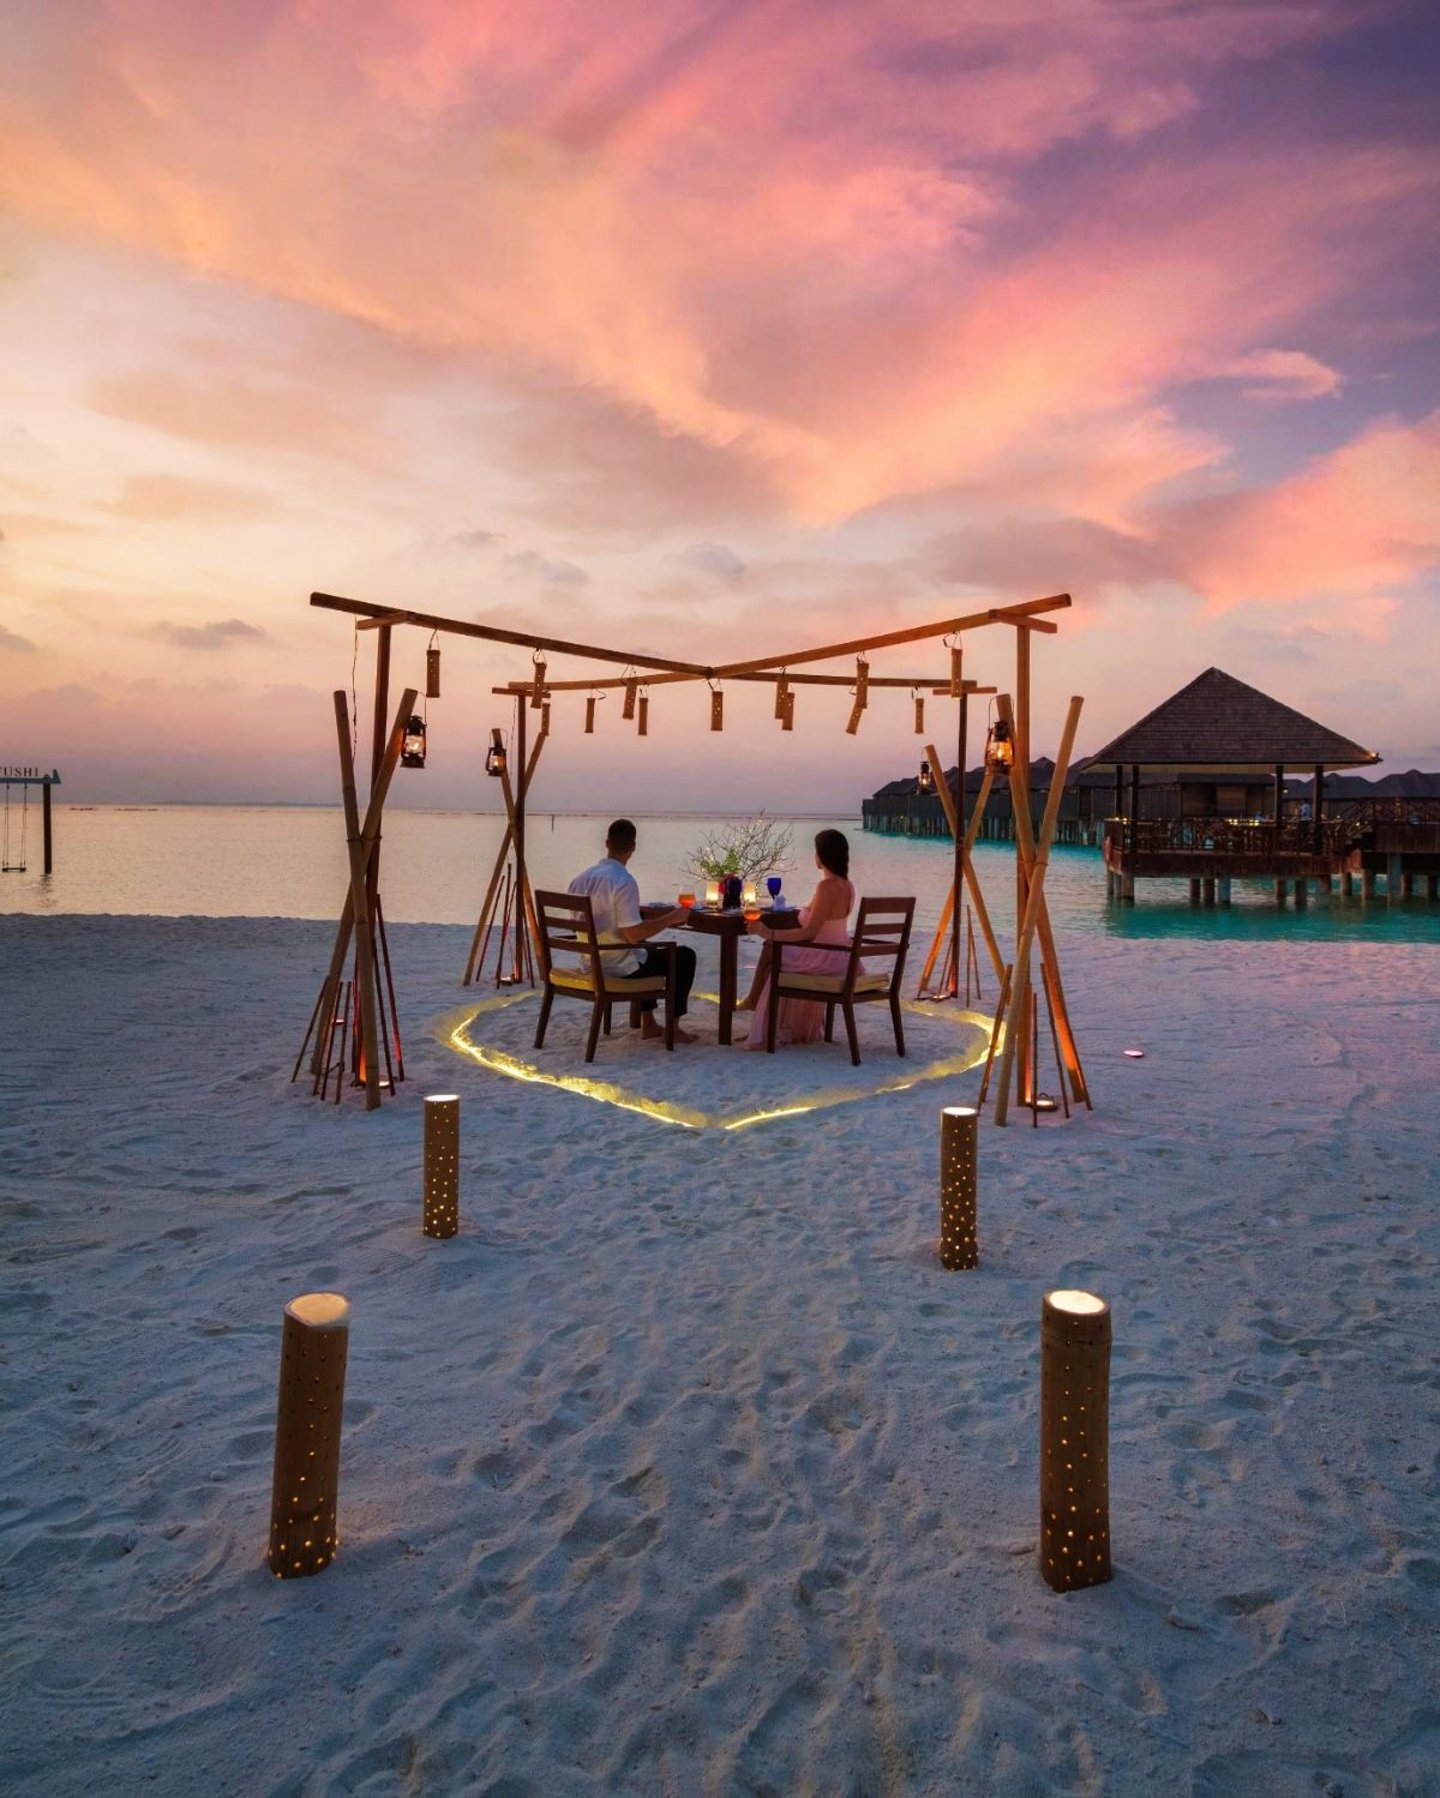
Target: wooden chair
<point>882,929</point>
<point>567,923</point>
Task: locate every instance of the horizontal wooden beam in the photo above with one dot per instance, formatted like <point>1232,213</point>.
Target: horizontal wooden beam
<point>915,685</point>
<point>459,627</point>
<point>1023,614</point>
<point>943,627</point>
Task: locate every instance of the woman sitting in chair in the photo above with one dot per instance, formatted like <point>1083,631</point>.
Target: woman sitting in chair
<point>820,945</point>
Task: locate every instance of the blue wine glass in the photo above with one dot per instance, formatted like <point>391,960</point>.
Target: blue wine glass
<point>772,885</point>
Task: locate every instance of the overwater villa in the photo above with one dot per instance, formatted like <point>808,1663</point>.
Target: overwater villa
<point>1222,749</point>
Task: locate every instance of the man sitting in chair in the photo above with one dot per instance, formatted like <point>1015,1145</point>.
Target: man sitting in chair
<point>615,902</point>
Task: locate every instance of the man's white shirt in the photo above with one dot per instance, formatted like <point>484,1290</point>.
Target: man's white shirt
<point>614,898</point>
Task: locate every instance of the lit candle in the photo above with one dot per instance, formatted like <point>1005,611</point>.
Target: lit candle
<point>747,897</point>
<point>712,892</point>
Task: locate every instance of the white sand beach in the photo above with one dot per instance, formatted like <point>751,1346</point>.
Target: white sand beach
<point>685,1468</point>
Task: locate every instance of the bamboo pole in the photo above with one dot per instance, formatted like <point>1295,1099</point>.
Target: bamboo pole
<point>370,834</point>
<point>360,909</point>
<point>1049,957</point>
<point>476,956</point>
<point>977,898</point>
<point>1035,892</point>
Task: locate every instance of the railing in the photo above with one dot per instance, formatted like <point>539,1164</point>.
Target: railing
<point>1229,836</point>
<point>1394,810</point>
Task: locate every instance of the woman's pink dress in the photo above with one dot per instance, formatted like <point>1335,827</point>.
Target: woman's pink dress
<point>803,1020</point>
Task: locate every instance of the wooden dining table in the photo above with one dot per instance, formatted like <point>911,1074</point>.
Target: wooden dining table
<point>729,926</point>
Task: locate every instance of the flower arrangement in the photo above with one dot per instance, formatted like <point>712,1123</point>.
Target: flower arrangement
<point>751,848</point>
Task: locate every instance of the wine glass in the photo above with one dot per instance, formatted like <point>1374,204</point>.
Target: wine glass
<point>752,912</point>
<point>773,884</point>
<point>687,900</point>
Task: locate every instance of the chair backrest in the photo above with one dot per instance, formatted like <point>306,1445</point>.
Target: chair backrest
<point>567,921</point>
<point>882,927</point>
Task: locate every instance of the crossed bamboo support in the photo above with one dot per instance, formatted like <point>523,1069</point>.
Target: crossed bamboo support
<point>1035,859</point>
<point>495,895</point>
<point>972,882</point>
<point>356,917</point>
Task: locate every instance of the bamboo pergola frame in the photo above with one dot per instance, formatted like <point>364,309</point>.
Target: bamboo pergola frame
<point>1025,618</point>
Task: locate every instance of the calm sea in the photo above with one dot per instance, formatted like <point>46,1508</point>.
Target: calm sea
<point>263,861</point>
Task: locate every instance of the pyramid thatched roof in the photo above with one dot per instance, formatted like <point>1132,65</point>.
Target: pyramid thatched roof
<point>1218,722</point>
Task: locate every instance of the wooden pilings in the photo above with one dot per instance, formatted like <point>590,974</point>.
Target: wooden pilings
<point>1074,1440</point>
<point>314,1343</point>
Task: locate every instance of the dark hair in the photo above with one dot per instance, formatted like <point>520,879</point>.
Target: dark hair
<point>621,835</point>
<point>833,848</point>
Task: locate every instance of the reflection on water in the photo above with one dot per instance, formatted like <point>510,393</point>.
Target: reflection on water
<point>257,861</point>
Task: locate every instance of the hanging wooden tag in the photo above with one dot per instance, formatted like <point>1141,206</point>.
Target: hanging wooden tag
<point>857,711</point>
<point>545,719</point>
<point>631,687</point>
<point>956,672</point>
<point>432,673</point>
<point>537,690</point>
<point>787,717</point>
<point>590,716</point>
<point>862,682</point>
<point>919,716</point>
<point>782,693</point>
<point>717,710</point>
<point>642,728</point>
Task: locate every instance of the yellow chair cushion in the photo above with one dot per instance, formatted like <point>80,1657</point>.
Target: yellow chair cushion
<point>831,985</point>
<point>573,980</point>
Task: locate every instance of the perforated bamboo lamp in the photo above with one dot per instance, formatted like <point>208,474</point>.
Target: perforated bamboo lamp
<point>782,693</point>
<point>959,1137</point>
<point>717,709</point>
<point>313,1344</point>
<point>787,717</point>
<point>627,711</point>
<point>442,1165</point>
<point>1074,1440</point>
<point>642,720</point>
<point>432,673</point>
<point>919,716</point>
<point>957,671</point>
<point>537,691</point>
<point>590,716</point>
<point>857,712</point>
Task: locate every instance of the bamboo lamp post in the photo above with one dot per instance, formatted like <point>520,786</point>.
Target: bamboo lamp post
<point>442,1165</point>
<point>314,1343</point>
<point>1074,1440</point>
<point>959,1234</point>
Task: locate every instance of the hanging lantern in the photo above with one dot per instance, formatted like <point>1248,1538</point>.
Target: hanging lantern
<point>412,744</point>
<point>919,716</point>
<point>862,682</point>
<point>717,709</point>
<point>432,673</point>
<point>926,783</point>
<point>787,717</point>
<point>628,709</point>
<point>1000,747</point>
<point>782,693</point>
<point>537,689</point>
<point>495,761</point>
<point>545,716</point>
<point>590,716</point>
<point>642,727</point>
<point>856,712</point>
<point>957,661</point>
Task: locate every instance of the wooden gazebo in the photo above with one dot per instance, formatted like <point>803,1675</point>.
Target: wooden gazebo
<point>365,1009</point>
<point>1238,740</point>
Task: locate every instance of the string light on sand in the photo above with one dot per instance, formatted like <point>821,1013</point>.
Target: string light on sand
<point>314,1343</point>
<point>1074,1440</point>
<point>1135,1054</point>
<point>442,1165</point>
<point>959,1136</point>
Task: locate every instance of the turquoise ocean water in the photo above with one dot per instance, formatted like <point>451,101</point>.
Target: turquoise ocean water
<point>261,861</point>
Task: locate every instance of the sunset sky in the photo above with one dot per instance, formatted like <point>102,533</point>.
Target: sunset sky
<point>707,328</point>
